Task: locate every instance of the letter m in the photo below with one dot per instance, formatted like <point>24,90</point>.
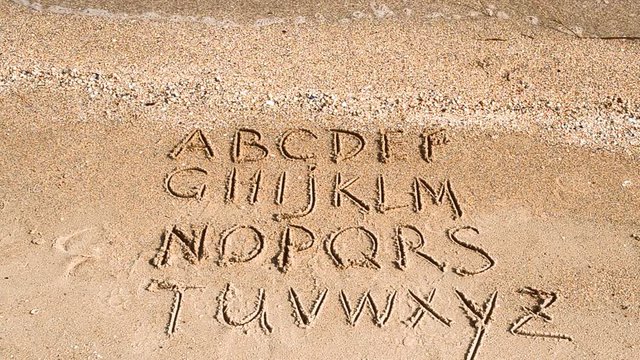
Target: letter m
<point>445,193</point>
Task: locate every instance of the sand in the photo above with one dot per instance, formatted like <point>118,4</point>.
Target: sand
<point>376,182</point>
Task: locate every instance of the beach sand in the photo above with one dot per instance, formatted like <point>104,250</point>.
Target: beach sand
<point>352,180</point>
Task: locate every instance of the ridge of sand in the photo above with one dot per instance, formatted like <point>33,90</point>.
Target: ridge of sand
<point>583,89</point>
<point>611,123</point>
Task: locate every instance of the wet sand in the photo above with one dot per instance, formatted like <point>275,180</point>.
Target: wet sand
<point>594,19</point>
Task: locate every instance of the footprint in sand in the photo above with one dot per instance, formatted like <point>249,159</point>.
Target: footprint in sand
<point>80,247</point>
<point>119,298</point>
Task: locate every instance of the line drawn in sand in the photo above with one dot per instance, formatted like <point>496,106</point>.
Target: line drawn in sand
<point>259,313</point>
<point>479,317</point>
<point>544,301</point>
<point>379,316</point>
<point>426,308</point>
<point>178,295</point>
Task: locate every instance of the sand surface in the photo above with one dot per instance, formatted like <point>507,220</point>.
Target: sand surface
<point>214,181</point>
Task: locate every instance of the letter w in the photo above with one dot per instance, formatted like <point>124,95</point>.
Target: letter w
<point>380,318</point>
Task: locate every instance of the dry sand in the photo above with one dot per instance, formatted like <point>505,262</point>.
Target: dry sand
<point>364,181</point>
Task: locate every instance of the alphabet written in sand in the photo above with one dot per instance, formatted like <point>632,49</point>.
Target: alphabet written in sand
<point>275,192</point>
